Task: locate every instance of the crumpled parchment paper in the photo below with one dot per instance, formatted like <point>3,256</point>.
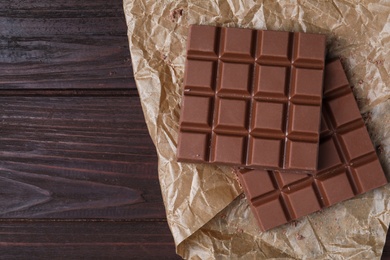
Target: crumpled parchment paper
<point>206,213</point>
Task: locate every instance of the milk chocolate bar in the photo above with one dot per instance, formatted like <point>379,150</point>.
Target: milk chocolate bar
<point>252,98</point>
<point>348,164</point>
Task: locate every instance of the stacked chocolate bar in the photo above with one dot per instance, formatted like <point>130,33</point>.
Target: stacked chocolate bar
<point>267,103</point>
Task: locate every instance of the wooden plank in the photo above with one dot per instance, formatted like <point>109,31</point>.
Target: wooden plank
<point>77,157</point>
<point>64,45</point>
<point>73,143</point>
<point>86,240</point>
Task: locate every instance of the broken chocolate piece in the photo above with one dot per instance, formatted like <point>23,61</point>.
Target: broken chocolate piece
<point>348,164</point>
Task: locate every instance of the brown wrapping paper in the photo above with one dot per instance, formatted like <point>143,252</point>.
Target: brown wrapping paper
<point>206,215</point>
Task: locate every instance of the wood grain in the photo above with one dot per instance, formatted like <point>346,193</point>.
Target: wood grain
<point>78,171</point>
<point>77,157</point>
<point>85,240</point>
<point>64,44</point>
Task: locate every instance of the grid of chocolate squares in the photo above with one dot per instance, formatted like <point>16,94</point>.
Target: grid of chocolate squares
<point>267,103</point>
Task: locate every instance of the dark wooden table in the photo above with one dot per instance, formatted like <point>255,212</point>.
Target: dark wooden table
<point>78,170</point>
